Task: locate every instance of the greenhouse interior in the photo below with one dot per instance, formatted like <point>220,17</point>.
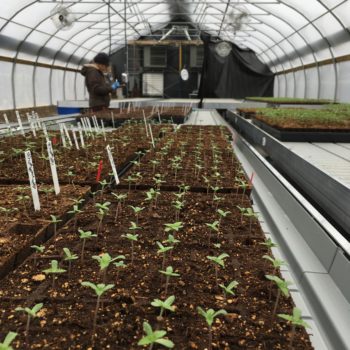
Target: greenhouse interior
<point>175,174</point>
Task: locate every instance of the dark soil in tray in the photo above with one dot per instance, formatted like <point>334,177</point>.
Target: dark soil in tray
<point>66,319</point>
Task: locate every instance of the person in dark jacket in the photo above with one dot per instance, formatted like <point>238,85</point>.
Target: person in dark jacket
<point>96,83</point>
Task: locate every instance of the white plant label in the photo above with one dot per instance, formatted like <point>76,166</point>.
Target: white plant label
<point>81,135</point>
<point>151,133</point>
<point>97,127</point>
<point>85,126</point>
<point>45,132</point>
<point>113,123</point>
<point>32,180</point>
<point>160,120</point>
<point>128,107</point>
<point>67,134</point>
<point>75,139</point>
<point>20,122</point>
<point>103,130</point>
<point>111,160</point>
<point>63,138</point>
<point>144,119</point>
<point>90,127</point>
<point>7,124</point>
<point>53,167</point>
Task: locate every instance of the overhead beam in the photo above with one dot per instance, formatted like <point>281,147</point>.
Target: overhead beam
<point>165,42</point>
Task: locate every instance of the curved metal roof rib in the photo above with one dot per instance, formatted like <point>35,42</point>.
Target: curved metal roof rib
<point>285,34</point>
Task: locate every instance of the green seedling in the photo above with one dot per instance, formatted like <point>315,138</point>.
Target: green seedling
<point>104,260</point>
<point>164,305</point>
<point>178,205</point>
<point>152,196</point>
<point>207,182</point>
<point>174,227</point>
<point>242,211</point>
<point>99,290</point>
<point>39,249</point>
<point>229,289</point>
<point>120,199</point>
<point>215,189</point>
<point>162,250</point>
<point>54,221</point>
<point>154,337</point>
<point>158,180</point>
<point>244,185</point>
<point>103,184</point>
<point>250,214</point>
<point>209,317</point>
<point>171,240</point>
<point>84,235</point>
<point>222,214</point>
<point>296,321</point>
<point>184,188</point>
<point>70,176</point>
<point>7,211</point>
<point>75,211</point>
<point>103,209</point>
<point>134,226</point>
<point>219,261</point>
<point>31,313</point>
<point>54,270</point>
<point>154,163</point>
<point>47,191</point>
<point>6,344</point>
<point>276,263</point>
<point>69,256</point>
<point>23,199</point>
<point>169,272</point>
<point>214,227</point>
<point>137,211</point>
<point>282,289</point>
<point>130,180</point>
<point>120,265</point>
<point>269,244</point>
<point>132,238</point>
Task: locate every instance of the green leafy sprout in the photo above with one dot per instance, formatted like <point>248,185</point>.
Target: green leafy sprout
<point>31,313</point>
<point>154,337</point>
<point>54,270</point>
<point>229,289</point>
<point>164,305</point>
<point>6,344</point>
<point>219,261</point>
<point>169,272</point>
<point>84,235</point>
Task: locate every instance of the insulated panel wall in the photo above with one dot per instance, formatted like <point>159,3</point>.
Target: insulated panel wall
<point>69,86</point>
<point>57,85</point>
<point>281,85</point>
<point>300,84</point>
<point>42,81</point>
<point>327,86</point>
<point>23,79</point>
<point>6,100</point>
<point>290,85</point>
<point>312,83</point>
<point>343,94</point>
<point>276,86</point>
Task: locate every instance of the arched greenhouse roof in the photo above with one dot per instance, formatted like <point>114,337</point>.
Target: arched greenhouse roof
<point>298,38</point>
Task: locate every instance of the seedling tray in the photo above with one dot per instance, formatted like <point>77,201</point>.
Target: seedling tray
<point>304,135</point>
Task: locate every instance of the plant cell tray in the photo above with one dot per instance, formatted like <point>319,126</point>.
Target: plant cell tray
<point>306,135</point>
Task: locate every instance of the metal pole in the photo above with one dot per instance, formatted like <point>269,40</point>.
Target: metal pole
<point>126,52</point>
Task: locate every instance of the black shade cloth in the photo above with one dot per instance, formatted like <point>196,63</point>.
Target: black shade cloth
<point>241,74</point>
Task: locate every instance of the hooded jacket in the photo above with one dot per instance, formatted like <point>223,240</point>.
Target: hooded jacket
<point>97,86</point>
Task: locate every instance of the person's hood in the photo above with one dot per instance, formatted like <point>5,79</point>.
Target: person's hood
<point>88,67</point>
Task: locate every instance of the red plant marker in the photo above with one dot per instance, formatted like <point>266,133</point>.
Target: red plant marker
<point>54,141</point>
<point>99,171</point>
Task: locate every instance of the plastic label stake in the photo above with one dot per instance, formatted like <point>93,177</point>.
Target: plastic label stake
<point>20,122</point>
<point>32,180</point>
<point>90,128</point>
<point>81,135</point>
<point>103,130</point>
<point>160,120</point>
<point>99,171</point>
<point>251,178</point>
<point>63,138</point>
<point>151,133</point>
<point>112,115</point>
<point>75,138</point>
<point>111,160</point>
<point>67,133</point>
<point>7,124</point>
<point>144,119</point>
<point>53,167</point>
<point>128,107</point>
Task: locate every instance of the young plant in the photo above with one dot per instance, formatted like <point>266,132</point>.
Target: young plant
<point>75,211</point>
<point>104,260</point>
<point>282,288</point>
<point>6,344</point>
<point>54,221</point>
<point>39,249</point>
<point>269,244</point>
<point>120,199</point>
<point>209,317</point>
<point>84,235</point>
<point>222,214</point>
<point>154,337</point>
<point>23,199</point>
<point>132,238</point>
<point>250,214</point>
<point>31,313</point>
<point>162,250</point>
<point>69,256</point>
<point>99,290</point>
<point>164,305</point>
<point>103,184</point>
<point>169,272</point>
<point>214,227</point>
<point>296,321</point>
<point>175,227</point>
<point>47,191</point>
<point>54,270</point>
<point>276,263</point>
<point>120,265</point>
<point>229,289</point>
<point>178,205</point>
<point>103,209</point>
<point>242,211</point>
<point>152,196</point>
<point>137,211</point>
<point>219,261</point>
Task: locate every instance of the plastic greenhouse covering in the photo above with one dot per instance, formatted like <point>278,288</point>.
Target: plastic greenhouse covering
<point>303,41</point>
